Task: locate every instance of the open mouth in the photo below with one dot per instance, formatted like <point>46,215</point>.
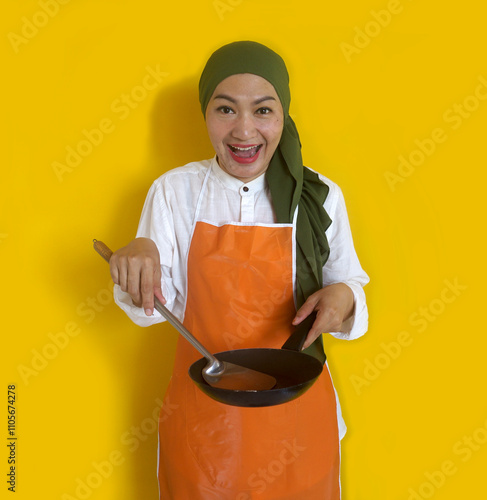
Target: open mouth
<point>245,153</point>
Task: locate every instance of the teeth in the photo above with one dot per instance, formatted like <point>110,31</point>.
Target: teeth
<point>243,149</point>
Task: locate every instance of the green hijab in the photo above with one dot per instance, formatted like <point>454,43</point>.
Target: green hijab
<point>290,183</point>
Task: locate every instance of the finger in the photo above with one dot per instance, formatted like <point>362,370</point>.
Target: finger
<point>304,311</point>
<point>114,270</point>
<point>123,274</point>
<point>147,289</point>
<point>133,280</point>
<point>326,321</point>
<point>157,284</point>
<point>317,328</point>
<point>158,294</point>
<point>309,340</point>
<point>314,332</point>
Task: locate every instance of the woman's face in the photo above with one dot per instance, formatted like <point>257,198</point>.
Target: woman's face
<point>244,119</point>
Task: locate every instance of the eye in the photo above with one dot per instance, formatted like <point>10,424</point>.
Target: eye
<point>226,110</point>
<point>264,111</point>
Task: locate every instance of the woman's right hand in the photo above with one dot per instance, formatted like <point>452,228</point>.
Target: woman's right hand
<point>137,269</point>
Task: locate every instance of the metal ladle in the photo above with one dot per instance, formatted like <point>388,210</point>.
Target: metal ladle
<point>220,374</point>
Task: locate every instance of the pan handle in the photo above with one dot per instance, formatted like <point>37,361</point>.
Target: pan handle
<point>296,341</point>
<point>215,367</point>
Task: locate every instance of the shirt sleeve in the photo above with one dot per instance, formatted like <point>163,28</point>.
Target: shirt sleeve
<point>155,223</point>
<point>343,265</point>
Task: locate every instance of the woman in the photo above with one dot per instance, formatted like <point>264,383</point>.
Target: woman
<point>242,247</point>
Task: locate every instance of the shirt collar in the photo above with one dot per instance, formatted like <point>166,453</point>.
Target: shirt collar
<point>235,184</point>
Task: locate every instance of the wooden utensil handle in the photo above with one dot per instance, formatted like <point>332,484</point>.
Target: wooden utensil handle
<point>102,249</point>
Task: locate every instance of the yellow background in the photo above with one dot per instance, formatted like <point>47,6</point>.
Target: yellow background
<point>357,111</point>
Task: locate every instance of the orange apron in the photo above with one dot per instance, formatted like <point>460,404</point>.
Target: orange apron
<point>240,295</point>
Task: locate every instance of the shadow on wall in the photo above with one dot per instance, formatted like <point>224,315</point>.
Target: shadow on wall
<point>177,136</point>
<point>178,129</point>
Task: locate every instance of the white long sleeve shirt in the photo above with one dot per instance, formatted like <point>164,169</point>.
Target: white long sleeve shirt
<point>168,219</point>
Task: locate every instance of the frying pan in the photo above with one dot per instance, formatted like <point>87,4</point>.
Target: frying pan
<point>295,372</point>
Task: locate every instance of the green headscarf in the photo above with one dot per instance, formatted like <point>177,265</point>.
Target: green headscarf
<point>291,185</point>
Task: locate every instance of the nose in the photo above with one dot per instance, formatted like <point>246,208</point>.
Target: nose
<point>244,127</point>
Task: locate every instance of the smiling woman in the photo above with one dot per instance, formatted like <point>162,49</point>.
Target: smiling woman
<point>218,241</point>
<point>244,119</point>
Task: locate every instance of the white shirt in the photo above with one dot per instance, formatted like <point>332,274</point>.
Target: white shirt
<point>168,219</point>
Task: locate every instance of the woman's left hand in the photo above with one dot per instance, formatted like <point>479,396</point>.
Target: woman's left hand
<point>333,305</point>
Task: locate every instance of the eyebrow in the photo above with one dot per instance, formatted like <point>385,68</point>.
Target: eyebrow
<point>257,101</point>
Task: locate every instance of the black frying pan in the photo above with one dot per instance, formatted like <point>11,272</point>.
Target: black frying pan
<point>294,371</point>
